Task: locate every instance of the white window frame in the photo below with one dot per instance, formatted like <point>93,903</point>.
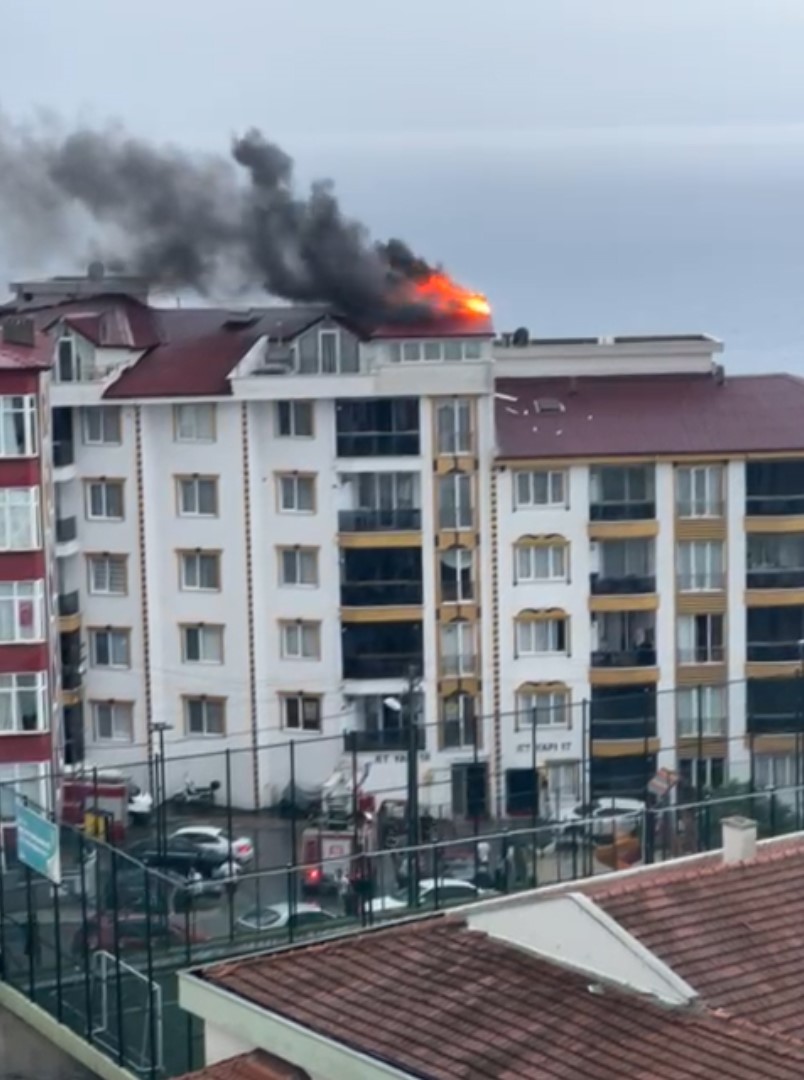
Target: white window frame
<point>527,632</point>
<point>332,334</point>
<point>458,641</point>
<point>526,497</point>
<point>20,504</point>
<point>552,708</point>
<point>714,711</point>
<point>205,634</point>
<point>293,639</point>
<point>207,705</point>
<point>462,502</point>
<point>298,703</point>
<point>109,562</point>
<point>525,558</point>
<point>295,411</point>
<point>12,407</point>
<point>17,686</point>
<point>298,555</point>
<point>195,422</point>
<point>564,782</point>
<point>104,486</point>
<point>710,578</point>
<point>705,499</point>
<point>105,415</point>
<point>685,637</point>
<point>121,717</point>
<point>454,438</point>
<point>464,557</point>
<point>24,598</point>
<point>774,770</point>
<point>291,506</point>
<point>192,486</point>
<point>114,634</point>
<point>467,720</point>
<point>189,558</point>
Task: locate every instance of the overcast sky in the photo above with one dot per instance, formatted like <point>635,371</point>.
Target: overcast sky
<point>454,122</point>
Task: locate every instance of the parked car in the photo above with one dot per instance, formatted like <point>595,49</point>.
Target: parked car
<point>279,917</point>
<point>445,892</point>
<point>212,838</point>
<point>604,815</point>
<point>182,857</point>
<point>131,934</point>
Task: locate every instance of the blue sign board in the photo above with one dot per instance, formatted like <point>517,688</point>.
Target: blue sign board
<point>38,842</point>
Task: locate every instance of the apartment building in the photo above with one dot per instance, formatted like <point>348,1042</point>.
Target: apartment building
<point>578,561</point>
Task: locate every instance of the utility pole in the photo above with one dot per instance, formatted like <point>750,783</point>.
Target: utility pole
<point>411,716</point>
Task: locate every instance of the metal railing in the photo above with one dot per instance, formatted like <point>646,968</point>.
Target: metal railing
<point>774,505</point>
<point>69,603</point>
<point>628,584</point>
<point>624,510</point>
<point>769,652</point>
<point>767,578</point>
<point>390,520</point>
<point>700,509</point>
<point>606,730</point>
<point>618,658</point>
<point>66,529</point>
<point>381,593</point>
<point>702,654</point>
<point>380,665</point>
<point>380,741</point>
<point>378,444</point>
<point>63,453</point>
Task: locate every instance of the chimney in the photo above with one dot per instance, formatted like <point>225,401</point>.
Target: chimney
<point>739,839</point>
<point>19,331</point>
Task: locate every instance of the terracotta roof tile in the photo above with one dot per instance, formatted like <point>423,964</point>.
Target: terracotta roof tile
<point>20,357</point>
<point>652,414</point>
<point>446,1003</point>
<point>257,1065</point>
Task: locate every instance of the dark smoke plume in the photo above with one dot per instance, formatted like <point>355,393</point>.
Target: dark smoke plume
<point>185,220</point>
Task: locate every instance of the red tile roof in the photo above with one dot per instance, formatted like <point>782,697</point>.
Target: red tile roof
<point>447,1003</point>
<point>17,357</point>
<point>255,1066</point>
<point>735,933</point>
<point>654,414</point>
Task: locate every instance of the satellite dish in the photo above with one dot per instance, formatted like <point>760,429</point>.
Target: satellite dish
<point>521,336</point>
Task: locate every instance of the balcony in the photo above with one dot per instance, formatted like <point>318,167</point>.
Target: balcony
<point>69,604</point>
<point>381,593</point>
<point>774,488</point>
<point>66,530</point>
<point>623,712</point>
<point>627,510</point>
<point>775,579</point>
<point>381,427</point>
<point>774,505</point>
<point>394,740</point>
<point>63,453</point>
<point>622,493</point>
<point>773,652</point>
<point>390,520</point>
<point>71,677</point>
<point>378,444</point>
<point>714,581</point>
<point>624,658</point>
<point>623,729</point>
<point>381,665</point>
<point>627,585</point>
<point>775,706</point>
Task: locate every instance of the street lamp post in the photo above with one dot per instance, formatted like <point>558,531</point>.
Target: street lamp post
<point>159,728</point>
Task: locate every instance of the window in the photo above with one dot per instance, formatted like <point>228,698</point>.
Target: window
<point>329,350</point>
<point>101,426</point>
<point>385,500</point>
<point>545,708</point>
<point>301,640</point>
<point>32,781</point>
<point>539,562</point>
<point>104,500</point>
<point>624,563</point>
<point>110,647</point>
<point>458,648</point>
<point>108,575</point>
<point>23,703</point>
<point>69,366</point>
<point>455,501</point>
<point>539,487</point>
<point>701,711</point>
<point>707,773</point>
<point>200,571</point>
<point>774,770</point>
<point>194,423</point>
<point>700,639</point>
<point>458,726</point>
<point>19,519</point>
<point>457,585</point>
<point>296,494</point>
<point>622,493</point>
<point>699,491</point>
<point>18,434</point>
<point>542,635</point>
<point>301,712</point>
<point>454,349</point>
<point>294,418</point>
<point>202,644</point>
<point>21,611</point>
<point>204,716</point>
<point>563,782</point>
<point>198,496</point>
<point>113,721</point>
<point>298,566</point>
<point>454,426</point>
<point>700,565</point>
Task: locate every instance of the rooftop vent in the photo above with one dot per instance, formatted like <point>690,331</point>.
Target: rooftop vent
<point>739,839</point>
<point>549,405</point>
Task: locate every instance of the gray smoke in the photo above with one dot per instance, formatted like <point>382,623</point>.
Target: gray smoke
<point>192,221</point>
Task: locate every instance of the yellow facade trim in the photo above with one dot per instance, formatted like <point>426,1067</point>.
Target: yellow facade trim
<point>452,538</point>
<point>543,540</point>
<point>70,697</point>
<point>771,744</point>
<point>623,530</point>
<point>454,463</point>
<point>68,624</point>
<point>636,602</point>
<point>380,540</point>
<point>775,669</point>
<point>542,688</point>
<point>700,529</point>
<point>540,614</point>
<point>412,613</point>
<point>701,603</point>
<point>691,747</point>
<point>611,748</point>
<point>701,674</point>
<point>458,684</point>
<point>774,597</point>
<point>790,523</point>
<point>626,676</point>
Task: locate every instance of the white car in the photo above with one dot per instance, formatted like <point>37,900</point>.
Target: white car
<point>212,838</point>
<point>445,892</point>
<point>302,917</point>
<point>604,816</point>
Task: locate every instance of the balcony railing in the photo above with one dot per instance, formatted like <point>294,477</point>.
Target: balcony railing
<point>460,664</point>
<point>378,444</point>
<point>702,654</point>
<point>391,520</point>
<point>380,593</point>
<point>66,529</point>
<point>627,585</point>
<point>774,505</point>
<point>610,658</point>
<point>63,453</point>
<point>769,652</point>
<point>774,723</point>
<point>377,741</point>
<point>71,677</point>
<point>624,729</point>
<point>696,509</point>
<point>775,579</point>
<point>381,665</point>
<point>627,510</point>
<point>69,603</point>
<point>711,582</point>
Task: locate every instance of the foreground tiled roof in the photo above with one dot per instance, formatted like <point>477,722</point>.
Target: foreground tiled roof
<point>255,1066</point>
<point>446,1003</point>
<point>654,414</point>
<point>735,933</point>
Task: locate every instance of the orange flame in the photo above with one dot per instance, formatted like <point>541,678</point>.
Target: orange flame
<point>446,297</point>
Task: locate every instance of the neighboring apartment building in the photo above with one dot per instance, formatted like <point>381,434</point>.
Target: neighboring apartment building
<point>275,525</point>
